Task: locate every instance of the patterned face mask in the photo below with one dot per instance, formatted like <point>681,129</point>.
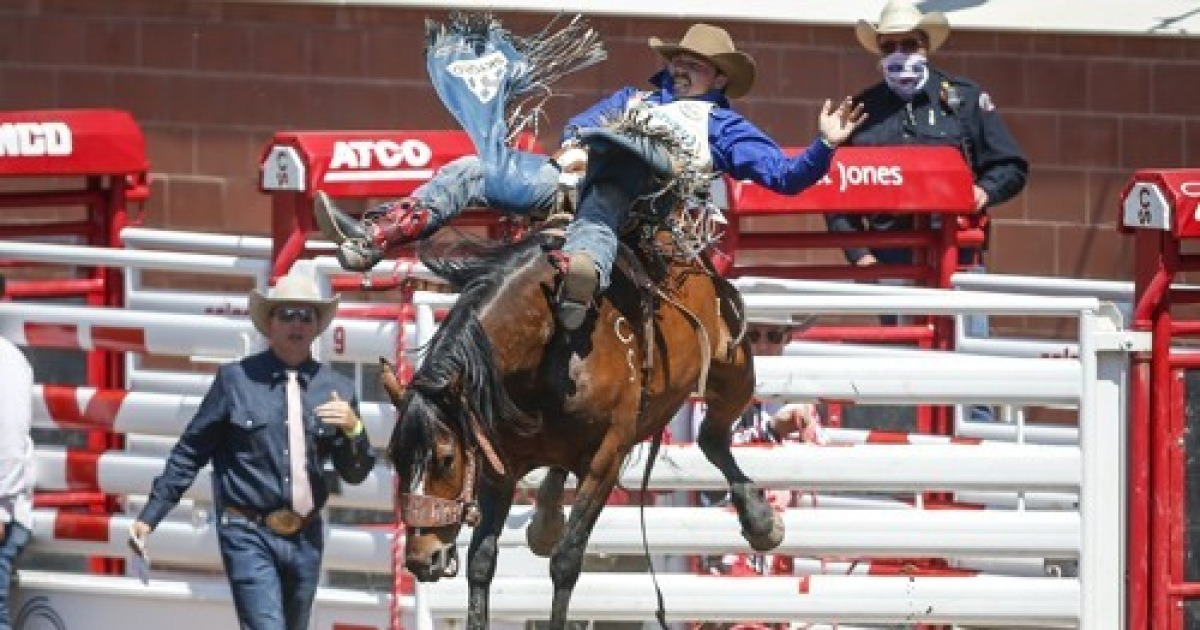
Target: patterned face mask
<point>905,73</point>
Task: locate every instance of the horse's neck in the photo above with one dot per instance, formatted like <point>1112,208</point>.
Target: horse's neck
<point>519,314</point>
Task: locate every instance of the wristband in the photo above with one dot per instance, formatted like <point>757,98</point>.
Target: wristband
<point>831,146</point>
<point>358,428</point>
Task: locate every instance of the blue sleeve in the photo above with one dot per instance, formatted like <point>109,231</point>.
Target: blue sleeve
<point>744,152</point>
<point>352,456</point>
<point>191,453</point>
<point>596,115</point>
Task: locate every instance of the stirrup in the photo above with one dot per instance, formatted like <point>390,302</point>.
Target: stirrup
<point>578,287</point>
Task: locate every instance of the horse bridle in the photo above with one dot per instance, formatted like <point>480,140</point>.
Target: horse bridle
<point>420,510</point>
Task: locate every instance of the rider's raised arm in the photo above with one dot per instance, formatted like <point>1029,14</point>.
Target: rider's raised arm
<point>745,152</point>
<point>602,111</point>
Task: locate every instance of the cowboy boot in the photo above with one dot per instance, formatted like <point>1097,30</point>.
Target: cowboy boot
<point>362,244</point>
<point>577,286</point>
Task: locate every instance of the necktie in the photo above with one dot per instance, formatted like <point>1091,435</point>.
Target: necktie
<point>302,501</point>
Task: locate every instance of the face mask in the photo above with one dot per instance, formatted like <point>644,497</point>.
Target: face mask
<point>905,73</point>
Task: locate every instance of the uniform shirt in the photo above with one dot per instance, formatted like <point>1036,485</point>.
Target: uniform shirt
<point>947,111</point>
<point>17,471</point>
<point>738,147</point>
<point>241,427</point>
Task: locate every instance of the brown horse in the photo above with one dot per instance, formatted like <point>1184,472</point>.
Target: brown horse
<point>503,391</point>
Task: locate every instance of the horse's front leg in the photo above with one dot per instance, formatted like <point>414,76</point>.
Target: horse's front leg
<point>567,561</point>
<point>546,527</point>
<point>494,503</point>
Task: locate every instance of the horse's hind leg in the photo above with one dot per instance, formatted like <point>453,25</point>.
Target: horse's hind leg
<point>547,525</point>
<point>730,388</point>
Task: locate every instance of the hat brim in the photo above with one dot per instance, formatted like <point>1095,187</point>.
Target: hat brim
<point>737,66</point>
<point>933,24</point>
<point>260,307</point>
<point>796,323</point>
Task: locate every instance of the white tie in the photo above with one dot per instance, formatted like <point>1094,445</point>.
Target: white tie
<point>302,501</point>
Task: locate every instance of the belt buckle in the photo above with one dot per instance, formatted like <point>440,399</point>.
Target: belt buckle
<point>284,522</point>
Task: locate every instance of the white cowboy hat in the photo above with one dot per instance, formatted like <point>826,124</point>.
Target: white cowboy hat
<point>714,44</point>
<point>291,290</point>
<point>902,16</point>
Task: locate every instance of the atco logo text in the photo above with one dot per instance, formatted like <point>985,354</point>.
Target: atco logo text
<point>365,154</point>
<point>35,139</point>
<point>379,160</point>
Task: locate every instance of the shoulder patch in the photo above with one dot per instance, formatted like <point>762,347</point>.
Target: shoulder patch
<point>985,102</point>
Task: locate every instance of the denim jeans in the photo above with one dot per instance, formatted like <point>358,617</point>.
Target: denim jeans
<point>460,185</point>
<point>605,196</point>
<point>16,536</point>
<point>273,578</point>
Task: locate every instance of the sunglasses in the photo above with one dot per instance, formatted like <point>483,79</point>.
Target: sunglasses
<point>771,336</point>
<point>908,45</point>
<point>303,314</point>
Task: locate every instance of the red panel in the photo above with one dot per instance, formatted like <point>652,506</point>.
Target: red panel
<point>873,179</point>
<point>71,526</point>
<point>52,335</point>
<point>71,142</point>
<point>63,404</point>
<point>119,339</point>
<point>83,470</point>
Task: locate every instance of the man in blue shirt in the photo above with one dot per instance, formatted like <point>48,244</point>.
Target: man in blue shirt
<point>267,424</point>
<point>690,96</point>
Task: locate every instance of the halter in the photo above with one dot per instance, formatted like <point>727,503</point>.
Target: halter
<point>420,510</point>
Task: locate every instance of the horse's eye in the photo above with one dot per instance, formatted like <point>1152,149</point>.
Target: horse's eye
<point>445,463</point>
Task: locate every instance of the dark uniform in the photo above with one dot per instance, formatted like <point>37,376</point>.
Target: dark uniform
<point>948,111</point>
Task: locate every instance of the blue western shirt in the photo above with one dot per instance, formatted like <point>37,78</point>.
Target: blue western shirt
<point>241,427</point>
<point>739,149</point>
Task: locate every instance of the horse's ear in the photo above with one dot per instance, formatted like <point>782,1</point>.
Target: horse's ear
<point>387,376</point>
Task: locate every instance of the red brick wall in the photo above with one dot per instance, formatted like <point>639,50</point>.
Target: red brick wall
<point>210,83</point>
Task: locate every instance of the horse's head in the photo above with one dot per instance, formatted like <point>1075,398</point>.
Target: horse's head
<point>438,474</point>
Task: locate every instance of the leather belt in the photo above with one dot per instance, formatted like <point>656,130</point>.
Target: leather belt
<point>283,521</point>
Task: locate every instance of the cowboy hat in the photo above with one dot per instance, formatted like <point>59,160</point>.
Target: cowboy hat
<point>291,289</point>
<point>714,44</point>
<point>795,322</point>
<point>902,16</point>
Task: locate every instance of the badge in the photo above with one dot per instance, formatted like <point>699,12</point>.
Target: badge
<point>985,102</point>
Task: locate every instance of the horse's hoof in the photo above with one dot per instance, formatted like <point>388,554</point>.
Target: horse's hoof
<point>771,539</point>
<point>544,531</point>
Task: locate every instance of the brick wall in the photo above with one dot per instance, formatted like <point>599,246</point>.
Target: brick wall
<point>210,83</point>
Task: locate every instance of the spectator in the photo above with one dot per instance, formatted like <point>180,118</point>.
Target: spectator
<point>267,424</point>
<point>690,97</point>
<point>17,472</point>
<point>917,104</point>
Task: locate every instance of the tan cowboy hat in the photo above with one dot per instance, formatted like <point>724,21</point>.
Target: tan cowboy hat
<point>902,16</point>
<point>714,44</point>
<point>291,290</point>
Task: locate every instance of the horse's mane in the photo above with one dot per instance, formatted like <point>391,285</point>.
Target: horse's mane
<point>459,365</point>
